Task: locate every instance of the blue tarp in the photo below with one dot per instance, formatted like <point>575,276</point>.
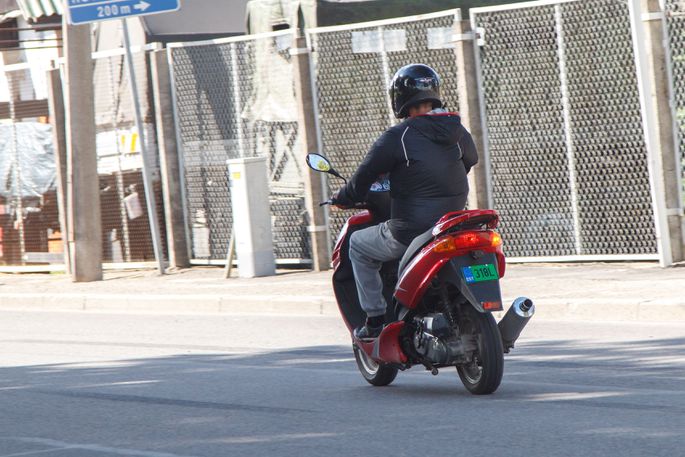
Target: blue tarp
<point>28,144</point>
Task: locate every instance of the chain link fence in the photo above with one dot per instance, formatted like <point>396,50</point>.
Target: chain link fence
<point>565,142</point>
<point>29,216</point>
<point>126,234</point>
<point>353,68</point>
<point>235,98</point>
<point>30,231</point>
<point>566,146</point>
<point>675,23</point>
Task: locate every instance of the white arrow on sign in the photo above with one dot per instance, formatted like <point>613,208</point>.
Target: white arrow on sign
<point>142,6</point>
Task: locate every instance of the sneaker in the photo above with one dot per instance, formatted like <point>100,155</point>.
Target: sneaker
<point>367,332</point>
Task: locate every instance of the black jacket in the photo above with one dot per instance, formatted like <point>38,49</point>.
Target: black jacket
<point>427,158</point>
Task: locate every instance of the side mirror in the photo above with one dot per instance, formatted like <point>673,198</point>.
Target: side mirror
<point>317,162</point>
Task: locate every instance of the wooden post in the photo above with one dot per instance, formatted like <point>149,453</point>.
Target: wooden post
<point>313,183</point>
<point>169,162</point>
<point>56,104</point>
<point>469,108</point>
<point>83,190</point>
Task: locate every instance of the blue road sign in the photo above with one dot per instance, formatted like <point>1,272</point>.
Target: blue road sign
<point>86,11</point>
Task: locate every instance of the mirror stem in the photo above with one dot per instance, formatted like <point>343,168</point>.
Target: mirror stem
<point>337,175</point>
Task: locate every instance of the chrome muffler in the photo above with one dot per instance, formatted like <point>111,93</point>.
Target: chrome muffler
<point>514,321</point>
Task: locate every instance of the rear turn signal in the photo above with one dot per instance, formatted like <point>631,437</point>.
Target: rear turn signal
<point>445,245</point>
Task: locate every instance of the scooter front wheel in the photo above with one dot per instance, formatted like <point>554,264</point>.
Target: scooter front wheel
<point>377,374</point>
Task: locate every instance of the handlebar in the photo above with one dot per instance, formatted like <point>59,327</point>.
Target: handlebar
<point>331,201</point>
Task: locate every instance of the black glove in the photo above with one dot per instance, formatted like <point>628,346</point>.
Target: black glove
<point>340,198</point>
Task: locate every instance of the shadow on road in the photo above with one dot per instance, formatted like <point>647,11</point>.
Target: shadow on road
<point>290,402</point>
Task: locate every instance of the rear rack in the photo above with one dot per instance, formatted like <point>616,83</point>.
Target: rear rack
<point>460,220</point>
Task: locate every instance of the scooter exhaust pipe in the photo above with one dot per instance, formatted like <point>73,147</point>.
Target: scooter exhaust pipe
<point>513,322</point>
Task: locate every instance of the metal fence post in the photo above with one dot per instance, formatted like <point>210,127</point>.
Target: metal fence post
<point>304,91</point>
<point>568,133</point>
<point>647,29</point>
<point>169,163</point>
<point>469,108</point>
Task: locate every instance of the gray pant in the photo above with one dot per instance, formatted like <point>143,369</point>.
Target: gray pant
<point>369,248</point>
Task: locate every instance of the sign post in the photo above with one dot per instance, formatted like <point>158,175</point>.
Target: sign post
<point>147,174</point>
<point>87,11</point>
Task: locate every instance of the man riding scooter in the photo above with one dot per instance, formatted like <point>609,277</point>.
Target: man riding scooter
<point>427,156</point>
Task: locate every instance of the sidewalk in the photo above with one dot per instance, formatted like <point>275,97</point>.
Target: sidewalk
<point>596,291</point>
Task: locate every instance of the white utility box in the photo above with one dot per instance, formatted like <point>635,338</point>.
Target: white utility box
<point>251,217</point>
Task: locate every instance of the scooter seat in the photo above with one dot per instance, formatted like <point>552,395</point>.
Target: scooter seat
<point>414,248</point>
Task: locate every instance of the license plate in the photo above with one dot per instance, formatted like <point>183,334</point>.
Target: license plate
<point>479,273</point>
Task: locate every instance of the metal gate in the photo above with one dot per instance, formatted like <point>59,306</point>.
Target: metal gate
<point>353,65</point>
<point>565,142</point>
<point>236,98</point>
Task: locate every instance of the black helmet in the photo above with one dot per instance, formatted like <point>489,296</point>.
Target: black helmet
<point>414,84</point>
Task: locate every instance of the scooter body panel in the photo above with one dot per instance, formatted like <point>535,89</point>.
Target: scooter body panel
<point>428,263</point>
<point>387,347</point>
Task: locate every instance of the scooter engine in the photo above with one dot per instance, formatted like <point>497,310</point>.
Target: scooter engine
<point>436,340</point>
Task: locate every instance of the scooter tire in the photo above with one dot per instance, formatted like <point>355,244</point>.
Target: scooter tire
<point>376,374</point>
<point>484,377</point>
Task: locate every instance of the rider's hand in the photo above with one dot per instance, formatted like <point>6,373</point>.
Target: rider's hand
<point>340,198</point>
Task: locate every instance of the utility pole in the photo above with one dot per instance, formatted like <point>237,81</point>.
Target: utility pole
<point>83,188</point>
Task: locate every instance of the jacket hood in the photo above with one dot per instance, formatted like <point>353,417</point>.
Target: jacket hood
<point>439,126</point>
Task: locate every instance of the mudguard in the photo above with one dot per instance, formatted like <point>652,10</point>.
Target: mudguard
<point>485,296</point>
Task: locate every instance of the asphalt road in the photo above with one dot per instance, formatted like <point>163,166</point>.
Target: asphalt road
<point>81,384</point>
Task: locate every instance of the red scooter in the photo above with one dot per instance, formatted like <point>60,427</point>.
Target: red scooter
<point>443,292</point>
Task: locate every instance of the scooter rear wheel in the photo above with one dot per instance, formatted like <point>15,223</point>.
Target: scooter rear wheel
<point>484,374</point>
<point>377,374</point>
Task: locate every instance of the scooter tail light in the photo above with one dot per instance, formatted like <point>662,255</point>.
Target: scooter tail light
<point>468,240</point>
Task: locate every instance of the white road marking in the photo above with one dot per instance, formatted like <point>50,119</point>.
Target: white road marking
<point>43,451</point>
<point>61,445</point>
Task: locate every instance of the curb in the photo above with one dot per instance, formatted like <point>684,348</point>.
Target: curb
<point>546,309</point>
<point>167,304</point>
